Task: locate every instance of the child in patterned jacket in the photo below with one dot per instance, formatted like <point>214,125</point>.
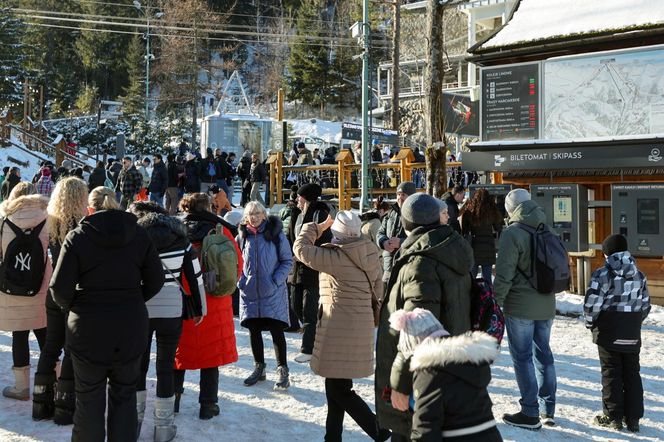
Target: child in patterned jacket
<point>616,304</point>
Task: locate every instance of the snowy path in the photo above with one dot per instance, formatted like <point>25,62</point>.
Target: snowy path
<point>259,414</point>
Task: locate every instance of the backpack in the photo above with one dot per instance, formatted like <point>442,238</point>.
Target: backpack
<point>550,272</point>
<point>107,182</point>
<point>23,263</point>
<point>212,171</point>
<point>220,263</point>
<point>485,313</point>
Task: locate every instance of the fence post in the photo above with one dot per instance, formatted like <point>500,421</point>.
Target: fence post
<point>270,178</point>
<point>405,157</point>
<point>280,175</point>
<point>59,155</point>
<point>344,157</point>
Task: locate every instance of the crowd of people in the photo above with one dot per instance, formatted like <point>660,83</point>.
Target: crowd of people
<point>97,268</point>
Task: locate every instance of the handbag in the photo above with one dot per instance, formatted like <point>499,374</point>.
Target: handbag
<point>375,302</point>
<point>188,306</point>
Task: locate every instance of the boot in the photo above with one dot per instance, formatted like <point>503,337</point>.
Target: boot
<point>141,396</point>
<point>21,388</point>
<point>65,403</point>
<point>283,381</point>
<point>257,375</point>
<point>43,405</point>
<point>164,419</point>
<point>176,404</point>
<point>208,411</point>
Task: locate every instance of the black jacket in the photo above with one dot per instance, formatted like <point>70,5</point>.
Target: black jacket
<point>450,381</point>
<point>8,185</point>
<point>193,176</point>
<point>244,169</point>
<point>108,268</point>
<point>172,172</point>
<point>159,178</point>
<point>390,227</point>
<point>482,236</point>
<point>316,213</point>
<point>97,178</point>
<point>257,173</point>
<point>452,211</point>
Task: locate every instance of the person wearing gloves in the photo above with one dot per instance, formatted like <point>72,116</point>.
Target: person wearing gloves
<point>343,349</point>
<point>431,271</point>
<point>617,301</point>
<point>446,369</point>
<point>107,326</point>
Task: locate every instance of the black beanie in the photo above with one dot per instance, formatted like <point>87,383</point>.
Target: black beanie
<point>310,192</point>
<point>293,192</point>
<point>613,244</point>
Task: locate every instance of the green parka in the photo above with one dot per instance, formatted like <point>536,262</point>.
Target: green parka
<point>431,271</point>
<point>514,293</point>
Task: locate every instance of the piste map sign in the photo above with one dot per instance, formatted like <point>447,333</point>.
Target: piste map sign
<point>510,102</point>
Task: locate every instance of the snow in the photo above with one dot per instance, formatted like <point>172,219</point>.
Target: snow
<point>27,172</point>
<point>330,131</point>
<point>569,304</point>
<point>536,20</point>
<point>256,414</point>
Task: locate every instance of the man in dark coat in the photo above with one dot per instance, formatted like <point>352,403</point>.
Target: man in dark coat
<point>243,172</point>
<point>391,234</point>
<point>98,176</point>
<point>257,176</point>
<point>129,182</point>
<point>158,180</point>
<point>222,171</point>
<point>192,167</point>
<point>453,198</point>
<point>172,193</point>
<point>431,271</point>
<point>303,278</point>
<point>10,182</point>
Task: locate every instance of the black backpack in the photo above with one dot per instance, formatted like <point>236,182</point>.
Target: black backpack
<point>23,264</point>
<point>550,272</point>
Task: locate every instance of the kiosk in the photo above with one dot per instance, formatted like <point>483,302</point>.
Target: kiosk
<point>638,213</point>
<point>566,208</point>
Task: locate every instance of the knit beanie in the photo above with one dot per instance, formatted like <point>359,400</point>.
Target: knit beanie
<point>45,171</point>
<point>190,156</point>
<point>415,326</point>
<point>293,192</point>
<point>310,192</point>
<point>233,217</point>
<point>514,198</point>
<point>418,210</point>
<point>346,225</point>
<point>613,244</point>
<point>407,187</point>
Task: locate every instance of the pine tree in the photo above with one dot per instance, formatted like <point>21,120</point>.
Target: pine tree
<point>134,92</point>
<point>12,57</point>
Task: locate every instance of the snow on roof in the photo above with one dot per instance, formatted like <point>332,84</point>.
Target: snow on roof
<point>537,20</point>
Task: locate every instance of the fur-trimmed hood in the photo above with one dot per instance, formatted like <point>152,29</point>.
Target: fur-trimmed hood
<point>270,228</point>
<point>474,348</point>
<point>26,202</point>
<point>166,232</point>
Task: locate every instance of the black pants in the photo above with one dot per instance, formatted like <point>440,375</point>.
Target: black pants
<point>56,325</point>
<point>276,329</point>
<point>21,346</point>
<point>168,332</point>
<point>305,305</point>
<point>293,319</point>
<point>622,390</point>
<point>246,191</point>
<point>342,399</point>
<point>209,384</point>
<point>91,382</point>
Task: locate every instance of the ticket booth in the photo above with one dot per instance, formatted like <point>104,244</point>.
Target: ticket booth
<point>566,208</point>
<point>638,213</point>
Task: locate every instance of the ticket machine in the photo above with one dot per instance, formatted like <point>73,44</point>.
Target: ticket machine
<point>566,209</point>
<point>498,191</point>
<point>637,211</point>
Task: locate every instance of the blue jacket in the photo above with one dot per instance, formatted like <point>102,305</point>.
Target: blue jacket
<point>267,261</point>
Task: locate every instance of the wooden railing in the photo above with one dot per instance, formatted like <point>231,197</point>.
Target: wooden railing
<point>342,180</point>
<point>58,149</point>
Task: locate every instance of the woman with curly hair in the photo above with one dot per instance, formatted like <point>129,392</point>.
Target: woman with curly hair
<point>481,223</point>
<point>68,205</point>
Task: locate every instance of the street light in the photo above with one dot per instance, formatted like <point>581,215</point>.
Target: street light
<point>148,56</point>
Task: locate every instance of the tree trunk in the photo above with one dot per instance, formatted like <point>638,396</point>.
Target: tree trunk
<point>433,109</point>
<point>396,39</point>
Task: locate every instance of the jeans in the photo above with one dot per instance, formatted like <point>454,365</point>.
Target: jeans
<point>305,305</point>
<point>209,384</point>
<point>533,364</point>
<point>486,272</point>
<point>158,198</point>
<point>168,332</point>
<point>21,347</point>
<point>341,399</point>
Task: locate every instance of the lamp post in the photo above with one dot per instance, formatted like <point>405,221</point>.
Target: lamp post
<point>148,56</point>
<point>361,32</point>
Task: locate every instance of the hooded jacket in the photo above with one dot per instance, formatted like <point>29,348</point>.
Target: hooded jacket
<point>450,381</point>
<point>431,271</point>
<point>349,274</point>
<point>169,235</point>
<point>97,178</point>
<point>192,183</point>
<point>452,210</point>
<point>267,261</point>
<point>514,293</point>
<point>617,301</point>
<point>317,212</point>
<point>389,228</point>
<point>108,268</point>
<point>25,312</point>
<point>159,178</point>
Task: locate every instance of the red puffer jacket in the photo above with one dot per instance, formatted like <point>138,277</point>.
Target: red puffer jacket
<point>212,343</point>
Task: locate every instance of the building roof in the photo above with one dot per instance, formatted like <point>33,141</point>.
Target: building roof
<point>543,21</point>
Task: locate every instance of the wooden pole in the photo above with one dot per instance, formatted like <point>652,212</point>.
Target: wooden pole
<point>280,174</point>
<point>25,103</point>
<point>41,103</point>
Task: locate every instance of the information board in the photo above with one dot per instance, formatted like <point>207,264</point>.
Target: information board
<point>352,131</point>
<point>510,102</point>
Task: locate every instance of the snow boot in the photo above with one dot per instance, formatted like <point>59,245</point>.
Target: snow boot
<point>632,424</point>
<point>176,403</point>
<point>606,421</point>
<point>208,411</point>
<point>141,396</point>
<point>21,388</point>
<point>43,398</point>
<point>164,419</point>
<point>523,421</point>
<point>257,375</point>
<point>65,403</point>
<point>283,381</point>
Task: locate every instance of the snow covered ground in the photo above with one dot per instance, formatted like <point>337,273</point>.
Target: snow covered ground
<point>256,414</point>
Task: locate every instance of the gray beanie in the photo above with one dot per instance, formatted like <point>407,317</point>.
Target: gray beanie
<point>407,187</point>
<point>346,225</point>
<point>418,210</point>
<point>514,198</point>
